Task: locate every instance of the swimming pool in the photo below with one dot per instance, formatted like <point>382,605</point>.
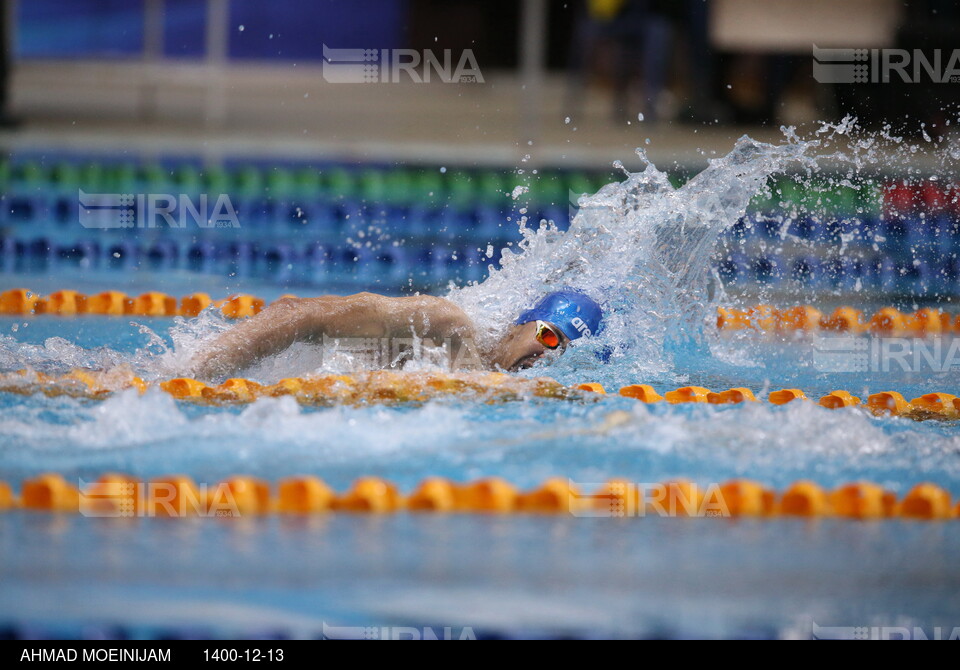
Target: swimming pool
<point>514,575</point>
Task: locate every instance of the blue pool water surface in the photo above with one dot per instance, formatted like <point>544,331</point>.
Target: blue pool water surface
<point>78,576</point>
<point>644,248</point>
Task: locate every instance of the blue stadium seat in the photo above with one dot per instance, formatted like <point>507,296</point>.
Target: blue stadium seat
<point>881,273</point>
<point>81,252</point>
<point>163,254</point>
<point>281,261</point>
<point>734,269</point>
<point>806,271</point>
<point>242,256</point>
<point>122,255</point>
<point>768,269</point>
<point>391,263</point>
<point>319,258</point>
<point>807,228</point>
<point>202,257</point>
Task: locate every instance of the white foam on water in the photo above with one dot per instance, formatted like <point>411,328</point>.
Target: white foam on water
<point>642,249</point>
<point>524,442</point>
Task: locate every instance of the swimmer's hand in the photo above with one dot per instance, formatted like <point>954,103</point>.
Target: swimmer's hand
<point>292,320</point>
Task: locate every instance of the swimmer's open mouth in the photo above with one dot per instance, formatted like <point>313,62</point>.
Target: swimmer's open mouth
<point>525,362</point>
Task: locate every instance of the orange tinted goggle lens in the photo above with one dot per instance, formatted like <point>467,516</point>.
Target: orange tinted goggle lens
<point>547,336</point>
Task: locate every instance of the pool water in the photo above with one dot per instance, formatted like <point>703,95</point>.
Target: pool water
<point>644,247</point>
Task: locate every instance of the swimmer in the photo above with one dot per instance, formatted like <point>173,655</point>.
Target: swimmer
<point>550,325</point>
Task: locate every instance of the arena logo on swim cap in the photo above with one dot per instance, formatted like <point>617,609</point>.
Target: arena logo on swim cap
<point>384,66</point>
<point>581,327</point>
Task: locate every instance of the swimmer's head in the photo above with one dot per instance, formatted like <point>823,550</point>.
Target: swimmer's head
<point>550,325</point>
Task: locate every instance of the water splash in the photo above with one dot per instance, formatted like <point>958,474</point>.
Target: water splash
<point>642,248</point>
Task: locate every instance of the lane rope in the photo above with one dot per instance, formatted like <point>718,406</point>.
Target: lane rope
<point>123,496</point>
<point>386,387</point>
<point>887,322</point>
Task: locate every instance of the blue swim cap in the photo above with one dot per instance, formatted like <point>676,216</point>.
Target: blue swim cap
<point>573,312</point>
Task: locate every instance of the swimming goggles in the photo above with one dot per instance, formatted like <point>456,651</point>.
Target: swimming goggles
<point>548,335</point>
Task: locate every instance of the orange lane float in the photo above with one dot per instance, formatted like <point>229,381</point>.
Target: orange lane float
<point>50,492</point>
<point>844,320</point>
<point>862,500</point>
<point>108,303</point>
<point>435,494</point>
<point>239,496</point>
<point>937,405</point>
<point>191,305</point>
<point>888,322</point>
<point>687,394</point>
<point>491,495</point>
<point>888,402</point>
<point>805,498</point>
<point>926,501</point>
<point>303,495</point>
<point>18,301</point>
<point>642,392</point>
<point>239,306</point>
<point>554,496</point>
<point>7,499</point>
<point>744,497</point>
<point>731,397</point>
<point>783,396</point>
<point>799,319</point>
<point>62,303</point>
<point>153,303</point>
<point>370,494</point>
<point>839,399</point>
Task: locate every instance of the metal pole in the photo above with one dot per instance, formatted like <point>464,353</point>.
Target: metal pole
<point>13,34</point>
<point>533,33</point>
<point>218,18</point>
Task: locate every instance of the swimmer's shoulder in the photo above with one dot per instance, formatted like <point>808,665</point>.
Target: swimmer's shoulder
<point>443,314</point>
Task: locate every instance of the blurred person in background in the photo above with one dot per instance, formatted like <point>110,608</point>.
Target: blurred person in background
<point>703,103</point>
<point>639,36</point>
<point>6,121</point>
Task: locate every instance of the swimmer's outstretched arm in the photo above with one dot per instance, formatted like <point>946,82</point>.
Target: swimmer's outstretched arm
<point>291,320</point>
